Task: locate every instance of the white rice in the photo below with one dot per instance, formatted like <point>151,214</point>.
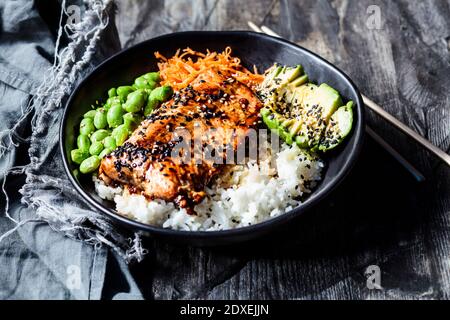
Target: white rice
<point>257,193</point>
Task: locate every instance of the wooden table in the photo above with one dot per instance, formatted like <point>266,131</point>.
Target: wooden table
<point>380,216</point>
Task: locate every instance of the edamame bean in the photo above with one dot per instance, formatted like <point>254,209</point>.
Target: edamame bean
<point>152,76</point>
<point>109,143</point>
<point>90,114</point>
<point>100,120</point>
<point>114,116</point>
<point>105,152</point>
<point>131,119</point>
<point>112,92</point>
<point>142,83</point>
<point>158,95</point>
<point>83,142</point>
<point>99,135</point>
<point>78,155</point>
<point>135,101</point>
<point>116,104</point>
<point>152,104</point>
<point>96,148</point>
<point>123,92</point>
<point>161,93</point>
<point>90,164</point>
<point>152,85</point>
<point>87,126</point>
<point>111,101</point>
<point>120,134</point>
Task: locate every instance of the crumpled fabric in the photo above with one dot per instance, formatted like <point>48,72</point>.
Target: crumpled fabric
<point>52,246</point>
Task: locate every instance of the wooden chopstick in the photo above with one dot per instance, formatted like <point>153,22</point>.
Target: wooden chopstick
<point>270,32</point>
<point>406,130</point>
<point>381,112</point>
<point>397,156</point>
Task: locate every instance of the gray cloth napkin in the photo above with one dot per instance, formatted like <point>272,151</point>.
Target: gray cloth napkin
<point>52,246</point>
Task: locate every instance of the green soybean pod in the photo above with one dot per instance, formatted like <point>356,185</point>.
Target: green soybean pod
<point>111,101</point>
<point>115,104</point>
<point>100,120</point>
<point>123,92</point>
<point>96,148</point>
<point>135,101</point>
<point>78,155</point>
<point>109,143</point>
<point>90,164</point>
<point>162,93</point>
<point>105,152</point>
<point>131,119</point>
<point>140,83</point>
<point>148,91</point>
<point>114,116</point>
<point>87,126</point>
<point>99,135</point>
<point>112,92</point>
<point>83,142</point>
<point>120,134</point>
<point>152,85</point>
<point>152,76</point>
<point>152,104</point>
<point>90,114</point>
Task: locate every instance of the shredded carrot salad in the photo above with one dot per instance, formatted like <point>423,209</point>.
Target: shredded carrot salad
<point>180,70</point>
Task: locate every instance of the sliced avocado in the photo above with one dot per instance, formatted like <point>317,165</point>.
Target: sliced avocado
<point>295,127</point>
<point>274,121</point>
<point>300,94</point>
<point>288,74</point>
<point>269,118</point>
<point>270,74</point>
<point>299,81</point>
<point>273,89</point>
<point>288,91</point>
<point>315,104</point>
<point>301,141</point>
<point>278,76</point>
<point>338,127</point>
<point>327,98</point>
<point>303,112</point>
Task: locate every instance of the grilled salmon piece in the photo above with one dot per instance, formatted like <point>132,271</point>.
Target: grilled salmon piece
<point>146,161</point>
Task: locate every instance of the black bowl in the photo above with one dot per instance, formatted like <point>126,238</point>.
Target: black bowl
<point>253,49</point>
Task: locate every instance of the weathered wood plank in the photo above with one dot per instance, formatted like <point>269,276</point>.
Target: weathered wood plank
<point>380,215</point>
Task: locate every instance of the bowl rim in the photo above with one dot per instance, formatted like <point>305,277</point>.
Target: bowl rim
<point>358,131</point>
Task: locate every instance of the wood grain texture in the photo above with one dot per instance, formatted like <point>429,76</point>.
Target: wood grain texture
<point>380,215</point>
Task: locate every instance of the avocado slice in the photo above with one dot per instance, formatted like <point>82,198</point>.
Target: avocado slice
<point>287,75</point>
<point>273,89</point>
<point>304,113</point>
<point>274,121</point>
<point>315,105</point>
<point>327,98</point>
<point>338,127</point>
<point>270,74</point>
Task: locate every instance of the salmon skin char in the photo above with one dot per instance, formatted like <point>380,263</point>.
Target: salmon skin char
<point>214,100</point>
